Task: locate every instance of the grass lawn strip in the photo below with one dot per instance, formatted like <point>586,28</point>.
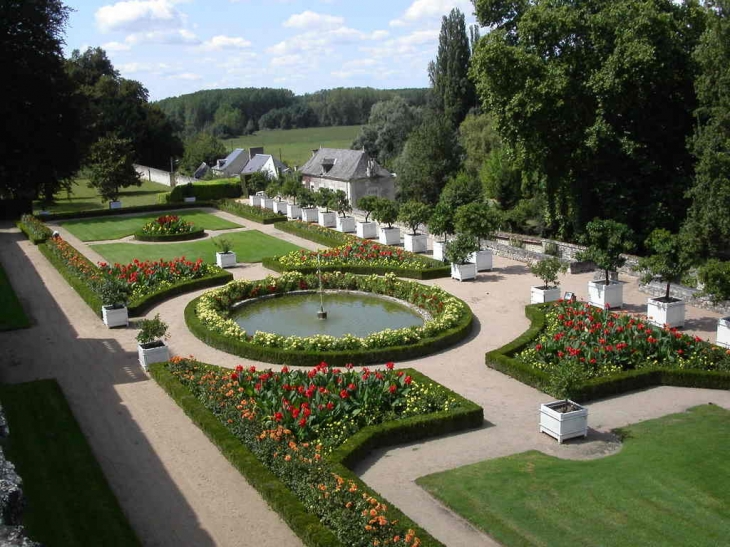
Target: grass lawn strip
<point>13,316</point>
<point>249,246</point>
<point>105,228</point>
<point>69,501</point>
<point>667,486</point>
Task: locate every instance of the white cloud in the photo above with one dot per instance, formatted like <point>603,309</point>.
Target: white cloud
<point>287,60</point>
<point>379,34</point>
<point>177,36</point>
<point>137,14</point>
<point>425,9</point>
<point>136,68</point>
<point>116,46</point>
<point>224,42</point>
<point>417,44</point>
<point>322,42</point>
<point>313,21</point>
<point>190,76</point>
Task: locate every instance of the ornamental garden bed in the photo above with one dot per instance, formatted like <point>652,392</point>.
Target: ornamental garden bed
<point>292,433</point>
<point>577,351</point>
<point>169,228</point>
<point>209,318</point>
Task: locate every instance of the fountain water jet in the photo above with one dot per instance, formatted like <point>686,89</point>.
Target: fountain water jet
<point>321,314</point>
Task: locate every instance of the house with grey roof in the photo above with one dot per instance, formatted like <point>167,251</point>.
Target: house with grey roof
<point>264,163</point>
<point>352,171</point>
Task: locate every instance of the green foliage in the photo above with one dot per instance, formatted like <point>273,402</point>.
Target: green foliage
<point>151,330</point>
<point>324,198</point>
<point>113,292</point>
<point>715,275</point>
<point>441,222</point>
<point>552,249</point>
<point>206,192</point>
<point>316,233</point>
<point>606,241</point>
<point>36,231</point>
<point>480,220</point>
<point>291,185</point>
<point>307,198</point>
<point>223,244</point>
<point>243,210</point>
<point>340,203</point>
<point>547,270</point>
<point>458,249</point>
<point>367,204</point>
<point>461,189</point>
<point>479,137</point>
<point>257,182</point>
<point>413,214</point>
<point>386,211</point>
<point>668,259</point>
<point>501,179</point>
<point>204,147</point>
<point>111,166</point>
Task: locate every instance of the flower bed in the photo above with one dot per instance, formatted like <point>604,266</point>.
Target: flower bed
<point>169,228</point>
<point>582,352</point>
<point>36,230</point>
<point>288,431</point>
<point>208,317</point>
<point>315,232</point>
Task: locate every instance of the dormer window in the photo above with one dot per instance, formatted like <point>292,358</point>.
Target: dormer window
<point>327,164</point>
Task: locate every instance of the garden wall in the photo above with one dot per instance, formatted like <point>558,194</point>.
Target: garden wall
<point>162,177</point>
<point>693,297</point>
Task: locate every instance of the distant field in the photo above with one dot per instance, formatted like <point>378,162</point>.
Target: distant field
<point>295,145</point>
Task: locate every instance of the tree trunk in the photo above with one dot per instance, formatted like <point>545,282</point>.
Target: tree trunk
<point>667,294</point>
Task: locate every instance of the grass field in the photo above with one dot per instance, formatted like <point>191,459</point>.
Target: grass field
<point>70,503</point>
<point>669,485</point>
<point>12,315</point>
<point>83,198</point>
<point>295,145</point>
<point>249,246</point>
<point>97,229</point>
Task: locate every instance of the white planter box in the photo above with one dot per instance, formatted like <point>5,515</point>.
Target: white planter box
<point>158,354</point>
<point>600,294</point>
<point>327,219</point>
<point>389,236</point>
<point>723,332</point>
<point>439,247</point>
<point>345,225</point>
<point>293,211</point>
<point>415,243</point>
<point>367,230</point>
<point>189,199</point>
<point>280,207</point>
<point>115,205</point>
<point>563,425</point>
<point>310,214</point>
<point>225,260</point>
<point>254,201</point>
<point>539,295</point>
<point>115,317</point>
<point>462,272</point>
<point>267,203</point>
<point>665,313</point>
<point>482,259</point>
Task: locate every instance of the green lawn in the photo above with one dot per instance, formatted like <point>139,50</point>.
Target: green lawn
<point>12,315</point>
<point>294,146</point>
<point>97,229</point>
<point>70,503</point>
<point>669,485</point>
<point>249,246</point>
<point>83,198</point>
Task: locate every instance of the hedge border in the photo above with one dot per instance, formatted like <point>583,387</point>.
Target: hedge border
<point>305,525</point>
<point>255,214</point>
<point>331,238</point>
<point>302,358</point>
<point>195,234</point>
<point>124,210</point>
<point>502,359</point>
<point>76,283</point>
<point>272,263</point>
<point>34,240</point>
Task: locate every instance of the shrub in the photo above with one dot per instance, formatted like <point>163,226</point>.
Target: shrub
<point>547,270</point>
<point>114,292</point>
<point>223,244</point>
<point>385,211</point>
<point>716,277</point>
<point>413,214</point>
<point>243,210</point>
<point>151,330</point>
<point>36,230</point>
<point>460,248</point>
<point>606,240</point>
<point>314,232</point>
<point>207,192</point>
<point>367,204</point>
<point>668,260</point>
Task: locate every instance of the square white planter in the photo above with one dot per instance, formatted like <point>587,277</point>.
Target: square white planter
<point>115,205</point>
<point>225,260</point>
<point>564,425</point>
<point>462,272</point>
<point>115,317</point>
<point>293,211</point>
<point>310,214</point>
<point>367,230</point>
<point>327,219</point>
<point>280,207</point>
<point>189,199</point>
<point>267,203</point>
<point>665,313</point>
<point>254,201</point>
<point>439,247</point>
<point>158,354</point>
<point>723,332</point>
<point>417,243</point>
<point>389,236</point>
<point>482,259</point>
<point>600,294</point>
<point>346,225</point>
<point>540,295</point>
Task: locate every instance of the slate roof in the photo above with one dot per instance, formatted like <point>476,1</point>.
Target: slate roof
<point>234,162</point>
<point>345,165</point>
<point>201,171</point>
<point>257,162</point>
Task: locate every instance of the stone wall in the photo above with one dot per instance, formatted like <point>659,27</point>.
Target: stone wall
<point>693,297</point>
<point>161,177</point>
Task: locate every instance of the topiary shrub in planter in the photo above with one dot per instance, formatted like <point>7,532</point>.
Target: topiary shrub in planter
<point>479,220</point>
<point>151,346</point>
<point>440,225</point>
<point>413,214</point>
<point>366,229</point>
<point>225,257</point>
<point>547,270</point>
<point>114,294</point>
<point>386,212</point>
<point>458,251</point>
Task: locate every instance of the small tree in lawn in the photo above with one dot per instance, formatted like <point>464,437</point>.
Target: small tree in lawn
<point>367,204</point>
<point>460,248</point>
<point>606,240</point>
<point>111,166</point>
<point>668,261</point>
<point>441,222</point>
<point>548,270</point>
<point>386,212</point>
<point>413,214</point>
<point>480,220</point>
<point>340,203</point>
<point>324,198</point>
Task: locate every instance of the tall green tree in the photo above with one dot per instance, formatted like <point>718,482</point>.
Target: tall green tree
<point>596,99</point>
<point>111,166</point>
<point>204,147</point>
<point>708,221</point>
<point>40,145</point>
<point>387,130</point>
<point>453,91</point>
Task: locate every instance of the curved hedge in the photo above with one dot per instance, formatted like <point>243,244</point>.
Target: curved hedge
<point>272,263</point>
<point>296,357</point>
<point>197,233</point>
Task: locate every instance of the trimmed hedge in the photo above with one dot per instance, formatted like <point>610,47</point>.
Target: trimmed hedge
<point>316,233</point>
<point>256,214</point>
<point>124,210</point>
<point>77,284</point>
<point>195,234</point>
<point>28,231</point>
<point>272,263</point>
<point>206,192</point>
<point>305,525</point>
<point>502,359</point>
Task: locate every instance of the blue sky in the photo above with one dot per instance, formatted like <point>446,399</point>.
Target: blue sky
<point>179,46</point>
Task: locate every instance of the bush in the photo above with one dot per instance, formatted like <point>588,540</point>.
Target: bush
<point>316,233</point>
<point>207,192</point>
<point>151,330</point>
<point>125,210</point>
<point>36,231</point>
<point>547,270</point>
<point>243,210</point>
<point>716,277</point>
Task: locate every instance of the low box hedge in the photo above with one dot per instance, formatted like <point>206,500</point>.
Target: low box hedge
<point>502,359</point>
<point>316,233</point>
<point>29,233</point>
<point>256,214</point>
<point>206,192</point>
<point>272,263</point>
<point>305,525</point>
<point>124,210</point>
<point>195,234</point>
<point>86,293</point>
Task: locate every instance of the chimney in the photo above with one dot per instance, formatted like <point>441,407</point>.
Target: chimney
<point>370,168</point>
<point>257,150</point>
<point>314,151</point>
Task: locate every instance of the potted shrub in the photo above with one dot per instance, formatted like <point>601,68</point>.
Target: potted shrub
<point>440,225</point>
<point>224,257</point>
<point>606,240</point>
<point>275,189</point>
<point>292,188</point>
<point>365,229</point>
<point>151,346</point>
<point>715,278</point>
<point>480,220</point>
<point>114,294</point>
<point>668,262</point>
<point>308,201</point>
<point>564,419</point>
<point>386,212</point>
<point>457,252</point>
<point>254,200</point>
<point>413,214</point>
<point>189,193</point>
<point>325,199</point>
<point>342,205</point>
<point>547,270</point>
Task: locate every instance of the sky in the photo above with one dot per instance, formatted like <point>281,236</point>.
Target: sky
<point>176,47</point>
